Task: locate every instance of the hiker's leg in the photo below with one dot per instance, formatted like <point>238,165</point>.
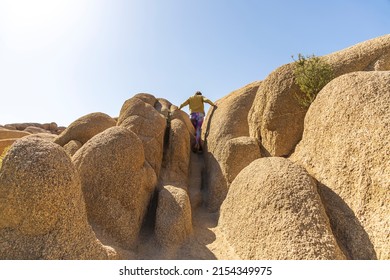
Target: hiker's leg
<point>198,132</point>
<point>194,120</point>
<point>199,128</point>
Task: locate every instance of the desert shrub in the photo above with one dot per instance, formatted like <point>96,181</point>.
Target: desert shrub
<point>312,73</point>
<point>2,156</point>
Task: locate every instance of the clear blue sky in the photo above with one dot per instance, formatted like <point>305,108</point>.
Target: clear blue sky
<point>60,60</point>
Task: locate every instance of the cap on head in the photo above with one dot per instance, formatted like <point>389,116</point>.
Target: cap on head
<point>198,93</point>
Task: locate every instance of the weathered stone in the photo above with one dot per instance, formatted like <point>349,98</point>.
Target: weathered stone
<point>42,210</point>
<point>147,98</point>
<point>345,146</point>
<point>117,183</point>
<point>21,126</point>
<point>273,211</point>
<point>50,126</point>
<point>85,128</point>
<point>46,136</point>
<point>72,147</point>
<point>239,153</point>
<point>173,217</point>
<point>149,125</point>
<point>35,130</point>
<point>163,106</point>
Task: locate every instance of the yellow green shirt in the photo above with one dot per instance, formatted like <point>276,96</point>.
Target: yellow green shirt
<point>196,103</point>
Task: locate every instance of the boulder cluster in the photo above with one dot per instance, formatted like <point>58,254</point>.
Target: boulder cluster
<point>9,133</point>
<point>342,142</point>
<point>98,177</point>
<point>283,182</point>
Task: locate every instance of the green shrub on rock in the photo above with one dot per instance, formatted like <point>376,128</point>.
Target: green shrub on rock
<point>312,73</point>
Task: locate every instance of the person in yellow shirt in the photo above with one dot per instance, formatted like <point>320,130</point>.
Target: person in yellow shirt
<point>196,104</point>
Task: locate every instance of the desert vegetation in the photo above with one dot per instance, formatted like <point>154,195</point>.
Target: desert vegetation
<point>312,73</point>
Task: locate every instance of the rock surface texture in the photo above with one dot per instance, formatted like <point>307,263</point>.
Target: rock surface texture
<point>42,209</point>
<point>277,214</point>
<point>174,218</point>
<point>85,128</point>
<point>346,146</point>
<point>117,183</point>
<point>144,120</point>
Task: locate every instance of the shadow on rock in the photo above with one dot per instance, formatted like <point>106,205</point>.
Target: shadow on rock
<point>350,234</point>
<point>215,187</point>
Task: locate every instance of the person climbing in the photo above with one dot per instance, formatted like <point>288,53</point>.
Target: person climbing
<point>196,104</point>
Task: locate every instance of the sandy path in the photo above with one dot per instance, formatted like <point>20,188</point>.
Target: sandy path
<point>208,241</point>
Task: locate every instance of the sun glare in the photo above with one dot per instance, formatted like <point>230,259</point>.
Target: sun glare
<point>27,24</point>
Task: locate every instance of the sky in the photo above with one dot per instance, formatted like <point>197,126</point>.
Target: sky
<point>63,59</point>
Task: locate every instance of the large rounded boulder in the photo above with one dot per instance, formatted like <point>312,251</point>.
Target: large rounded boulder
<point>277,214</point>
<point>85,128</point>
<point>173,217</point>
<point>42,209</point>
<point>345,146</point>
<point>138,115</point>
<point>117,183</point>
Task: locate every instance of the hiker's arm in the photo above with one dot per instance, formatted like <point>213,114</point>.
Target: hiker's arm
<point>184,104</point>
<point>208,101</point>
